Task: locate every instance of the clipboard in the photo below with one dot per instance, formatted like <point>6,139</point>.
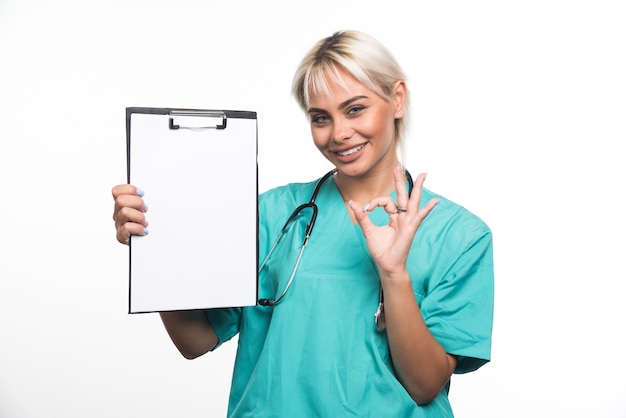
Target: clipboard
<point>198,170</point>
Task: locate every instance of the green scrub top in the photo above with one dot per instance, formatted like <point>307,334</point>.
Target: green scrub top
<point>318,353</point>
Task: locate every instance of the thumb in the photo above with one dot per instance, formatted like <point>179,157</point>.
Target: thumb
<point>360,214</point>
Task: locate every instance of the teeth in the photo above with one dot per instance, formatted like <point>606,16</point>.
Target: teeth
<point>350,151</point>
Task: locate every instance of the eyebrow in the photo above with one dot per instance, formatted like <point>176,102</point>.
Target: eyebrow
<point>343,105</point>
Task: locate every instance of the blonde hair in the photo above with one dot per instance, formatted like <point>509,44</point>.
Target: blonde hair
<point>361,55</point>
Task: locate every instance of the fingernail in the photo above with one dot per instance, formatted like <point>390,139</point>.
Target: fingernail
<point>145,231</point>
<point>366,207</point>
<point>350,202</point>
<point>139,192</point>
<point>145,208</point>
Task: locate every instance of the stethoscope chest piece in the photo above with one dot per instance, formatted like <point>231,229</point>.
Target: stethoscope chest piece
<point>379,317</point>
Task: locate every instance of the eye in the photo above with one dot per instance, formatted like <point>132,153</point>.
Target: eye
<point>319,119</point>
<point>354,110</point>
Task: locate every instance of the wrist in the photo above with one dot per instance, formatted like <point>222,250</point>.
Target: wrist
<point>395,277</point>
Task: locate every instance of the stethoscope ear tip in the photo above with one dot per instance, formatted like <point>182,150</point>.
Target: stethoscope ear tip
<point>266,302</point>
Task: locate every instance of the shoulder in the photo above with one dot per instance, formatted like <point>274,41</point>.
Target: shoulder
<point>282,200</point>
<point>455,265</point>
<point>290,191</point>
<point>453,221</point>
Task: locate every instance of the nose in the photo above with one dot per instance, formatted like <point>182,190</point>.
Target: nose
<point>341,130</point>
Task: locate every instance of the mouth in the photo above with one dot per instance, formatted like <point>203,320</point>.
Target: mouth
<point>350,151</point>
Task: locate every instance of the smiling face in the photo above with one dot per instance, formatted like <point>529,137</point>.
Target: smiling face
<point>353,127</point>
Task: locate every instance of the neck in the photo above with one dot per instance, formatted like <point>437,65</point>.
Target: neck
<point>366,187</point>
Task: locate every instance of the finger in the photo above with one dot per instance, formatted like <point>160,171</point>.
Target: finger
<point>423,212</point>
<point>129,189</point>
<point>416,197</point>
<point>127,195</point>
<point>360,213</point>
<point>129,212</point>
<point>126,214</point>
<point>129,228</point>
<point>129,222</point>
<point>384,202</point>
<point>416,193</point>
<point>130,201</point>
<point>428,207</point>
<point>400,181</point>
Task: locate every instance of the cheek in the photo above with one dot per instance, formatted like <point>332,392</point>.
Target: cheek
<point>388,121</point>
<point>320,137</point>
<point>378,125</point>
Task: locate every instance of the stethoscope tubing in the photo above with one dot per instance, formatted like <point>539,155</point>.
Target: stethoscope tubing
<point>379,315</point>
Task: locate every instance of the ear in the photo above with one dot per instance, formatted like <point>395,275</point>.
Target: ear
<point>399,98</point>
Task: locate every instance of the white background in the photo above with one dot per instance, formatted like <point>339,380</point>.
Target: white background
<point>518,114</point>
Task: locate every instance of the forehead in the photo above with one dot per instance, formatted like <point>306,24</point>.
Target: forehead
<point>335,86</point>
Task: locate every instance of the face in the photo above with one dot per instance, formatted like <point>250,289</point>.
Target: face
<point>354,128</point>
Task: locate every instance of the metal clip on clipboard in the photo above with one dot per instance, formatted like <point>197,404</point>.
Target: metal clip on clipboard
<point>197,119</point>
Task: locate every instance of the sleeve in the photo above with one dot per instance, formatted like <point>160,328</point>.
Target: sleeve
<point>225,322</point>
<point>458,304</point>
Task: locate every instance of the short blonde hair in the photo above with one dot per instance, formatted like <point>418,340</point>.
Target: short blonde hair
<point>361,55</point>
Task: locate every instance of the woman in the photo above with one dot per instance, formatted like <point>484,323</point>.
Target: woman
<point>313,347</point>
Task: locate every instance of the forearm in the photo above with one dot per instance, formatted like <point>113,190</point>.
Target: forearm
<point>190,332</point>
<point>421,363</point>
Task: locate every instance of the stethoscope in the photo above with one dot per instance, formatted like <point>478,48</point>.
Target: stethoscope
<point>379,315</point>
